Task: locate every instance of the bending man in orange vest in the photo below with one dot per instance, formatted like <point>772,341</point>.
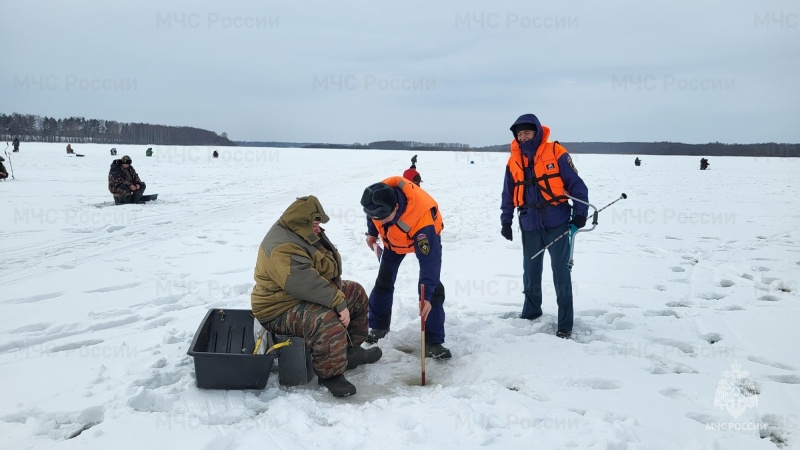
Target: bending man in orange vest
<point>538,174</point>
<point>408,221</point>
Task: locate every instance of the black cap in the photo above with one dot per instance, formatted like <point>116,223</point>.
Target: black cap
<point>379,200</point>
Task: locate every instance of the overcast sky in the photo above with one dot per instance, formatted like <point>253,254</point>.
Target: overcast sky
<point>433,71</point>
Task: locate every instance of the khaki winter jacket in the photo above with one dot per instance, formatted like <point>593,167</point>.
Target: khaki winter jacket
<point>294,264</point>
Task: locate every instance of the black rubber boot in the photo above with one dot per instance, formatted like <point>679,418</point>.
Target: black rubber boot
<point>565,334</point>
<point>437,351</point>
<point>375,335</point>
<point>338,385</point>
<point>360,355</point>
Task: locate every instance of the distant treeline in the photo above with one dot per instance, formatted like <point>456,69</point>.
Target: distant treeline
<point>672,148</point>
<point>395,145</point>
<point>621,148</point>
<point>33,128</point>
<point>382,145</point>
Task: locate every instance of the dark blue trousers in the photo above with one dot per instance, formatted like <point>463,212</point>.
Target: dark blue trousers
<point>382,297</point>
<point>532,242</point>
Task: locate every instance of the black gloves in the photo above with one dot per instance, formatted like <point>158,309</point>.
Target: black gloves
<point>506,231</point>
<point>578,221</point>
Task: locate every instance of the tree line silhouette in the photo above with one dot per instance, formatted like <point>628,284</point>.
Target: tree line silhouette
<point>34,128</point>
<point>769,149</point>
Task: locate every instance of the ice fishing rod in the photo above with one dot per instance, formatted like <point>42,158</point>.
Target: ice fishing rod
<point>573,230</point>
<point>10,164</point>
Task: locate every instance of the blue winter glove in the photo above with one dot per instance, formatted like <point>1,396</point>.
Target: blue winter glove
<point>578,221</point>
<point>506,231</point>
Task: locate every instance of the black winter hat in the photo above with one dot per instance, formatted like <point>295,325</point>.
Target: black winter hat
<point>126,159</point>
<point>379,200</point>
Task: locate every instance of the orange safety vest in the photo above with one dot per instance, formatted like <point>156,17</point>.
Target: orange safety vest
<point>545,168</point>
<point>421,211</point>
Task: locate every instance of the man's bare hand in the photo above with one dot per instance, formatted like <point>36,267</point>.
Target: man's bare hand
<point>425,309</point>
<point>344,317</point>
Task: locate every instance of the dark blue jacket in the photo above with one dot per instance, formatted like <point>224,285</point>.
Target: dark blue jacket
<point>430,265</point>
<point>551,216</point>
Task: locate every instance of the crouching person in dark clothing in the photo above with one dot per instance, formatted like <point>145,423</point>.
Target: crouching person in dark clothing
<point>124,183</point>
<point>3,171</point>
<point>299,292</point>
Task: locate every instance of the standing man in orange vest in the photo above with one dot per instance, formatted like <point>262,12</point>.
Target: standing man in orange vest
<point>538,174</point>
<point>408,221</point>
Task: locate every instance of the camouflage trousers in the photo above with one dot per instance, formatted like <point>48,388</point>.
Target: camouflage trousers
<point>324,334</point>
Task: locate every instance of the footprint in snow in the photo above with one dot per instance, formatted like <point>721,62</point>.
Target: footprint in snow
<point>667,367</point>
<point>677,269</point>
<point>732,308</point>
<point>609,318</point>
<point>680,394</point>
<point>769,298</point>
<point>777,430</point>
<point>113,288</point>
<point>32,328</point>
<point>75,345</point>
<point>705,419</point>
<point>679,304</point>
<point>786,379</point>
<point>767,362</point>
<point>59,425</point>
<point>35,298</point>
<point>782,286</point>
<point>726,283</point>
<point>113,228</point>
<point>711,338</point>
<point>711,296</point>
<point>684,347</point>
<point>158,378</point>
<point>769,280</point>
<point>661,313</point>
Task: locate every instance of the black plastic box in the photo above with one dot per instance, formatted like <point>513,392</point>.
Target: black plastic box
<point>223,352</point>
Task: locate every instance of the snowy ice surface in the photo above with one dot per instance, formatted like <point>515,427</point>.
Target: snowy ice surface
<point>686,301</point>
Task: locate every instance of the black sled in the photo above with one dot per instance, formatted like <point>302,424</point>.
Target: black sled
<point>143,199</point>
